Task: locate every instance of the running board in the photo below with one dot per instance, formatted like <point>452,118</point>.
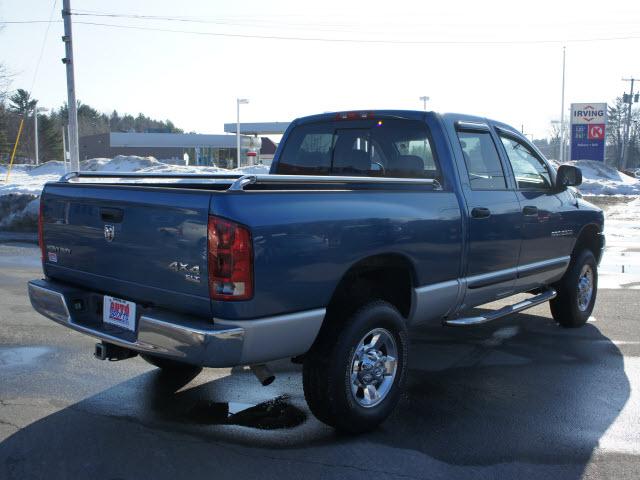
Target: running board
<point>504,311</point>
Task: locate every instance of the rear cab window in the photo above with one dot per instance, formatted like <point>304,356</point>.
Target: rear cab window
<point>482,161</point>
<point>372,147</point>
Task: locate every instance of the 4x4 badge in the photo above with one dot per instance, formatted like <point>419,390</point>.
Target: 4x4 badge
<point>109,232</point>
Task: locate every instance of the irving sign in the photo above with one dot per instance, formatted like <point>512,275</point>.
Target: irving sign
<point>588,128</point>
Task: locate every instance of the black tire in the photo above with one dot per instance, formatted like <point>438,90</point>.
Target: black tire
<point>566,308</point>
<point>327,368</point>
<point>170,366</point>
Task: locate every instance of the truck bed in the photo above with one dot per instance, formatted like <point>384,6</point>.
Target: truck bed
<point>158,255</point>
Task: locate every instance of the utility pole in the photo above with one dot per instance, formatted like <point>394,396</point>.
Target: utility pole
<point>424,99</point>
<point>564,54</point>
<point>72,105</point>
<point>627,128</point>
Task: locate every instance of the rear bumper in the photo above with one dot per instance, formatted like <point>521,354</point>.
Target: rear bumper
<point>181,337</point>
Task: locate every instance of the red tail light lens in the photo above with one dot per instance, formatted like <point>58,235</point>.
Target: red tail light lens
<point>354,115</point>
<point>40,230</point>
<point>230,260</point>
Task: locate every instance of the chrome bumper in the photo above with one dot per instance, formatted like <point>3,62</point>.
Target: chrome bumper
<point>181,337</point>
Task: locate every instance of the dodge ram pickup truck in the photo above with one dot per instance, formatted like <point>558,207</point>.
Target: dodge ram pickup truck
<point>368,223</point>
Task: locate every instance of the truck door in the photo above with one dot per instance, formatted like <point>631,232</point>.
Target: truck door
<point>494,218</point>
<point>547,237</point>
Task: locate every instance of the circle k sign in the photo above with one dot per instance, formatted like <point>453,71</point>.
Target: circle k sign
<point>596,132</point>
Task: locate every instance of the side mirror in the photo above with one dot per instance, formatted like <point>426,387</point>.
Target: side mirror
<point>568,176</point>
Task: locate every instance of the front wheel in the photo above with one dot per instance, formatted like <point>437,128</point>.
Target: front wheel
<point>354,373</point>
<point>576,292</point>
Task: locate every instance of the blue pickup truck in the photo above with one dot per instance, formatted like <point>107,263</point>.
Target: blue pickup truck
<point>369,223</point>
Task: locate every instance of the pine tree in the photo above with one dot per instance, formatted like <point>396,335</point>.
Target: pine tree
<point>50,138</point>
<point>21,102</point>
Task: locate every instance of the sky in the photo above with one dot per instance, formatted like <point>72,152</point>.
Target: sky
<point>497,59</point>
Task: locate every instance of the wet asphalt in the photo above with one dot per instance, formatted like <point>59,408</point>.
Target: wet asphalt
<point>519,398</point>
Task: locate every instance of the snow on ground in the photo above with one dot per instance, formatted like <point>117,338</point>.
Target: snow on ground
<point>620,266</point>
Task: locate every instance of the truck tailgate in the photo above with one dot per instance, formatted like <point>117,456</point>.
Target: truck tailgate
<point>141,243</point>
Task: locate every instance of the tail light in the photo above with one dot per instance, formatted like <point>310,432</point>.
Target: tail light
<point>40,229</point>
<point>230,260</point>
<point>354,115</point>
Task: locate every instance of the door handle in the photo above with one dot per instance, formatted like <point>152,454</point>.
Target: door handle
<point>530,210</point>
<point>480,212</point>
<point>113,215</point>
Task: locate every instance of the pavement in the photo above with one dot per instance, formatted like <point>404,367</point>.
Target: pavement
<point>519,398</point>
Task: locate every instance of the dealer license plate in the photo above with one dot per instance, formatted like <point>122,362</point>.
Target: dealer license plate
<point>119,312</point>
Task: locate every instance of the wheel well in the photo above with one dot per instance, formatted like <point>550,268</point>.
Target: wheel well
<point>588,239</point>
<point>381,277</point>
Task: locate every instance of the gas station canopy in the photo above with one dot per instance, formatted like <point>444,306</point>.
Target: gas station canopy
<point>258,128</point>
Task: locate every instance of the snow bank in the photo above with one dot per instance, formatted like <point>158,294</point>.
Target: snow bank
<point>28,179</point>
<point>19,211</point>
<point>26,182</point>
<point>601,179</point>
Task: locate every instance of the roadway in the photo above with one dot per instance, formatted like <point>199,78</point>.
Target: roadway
<point>520,398</point>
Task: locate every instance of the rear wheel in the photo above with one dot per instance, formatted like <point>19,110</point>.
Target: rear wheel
<point>170,366</point>
<point>354,373</point>
<point>576,291</point>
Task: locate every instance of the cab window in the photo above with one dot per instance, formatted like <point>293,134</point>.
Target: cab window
<point>482,161</point>
<point>530,170</point>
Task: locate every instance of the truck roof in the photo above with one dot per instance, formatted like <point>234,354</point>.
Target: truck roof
<point>407,114</point>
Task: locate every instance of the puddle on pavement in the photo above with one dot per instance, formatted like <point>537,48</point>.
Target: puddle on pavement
<point>273,414</point>
<point>16,356</point>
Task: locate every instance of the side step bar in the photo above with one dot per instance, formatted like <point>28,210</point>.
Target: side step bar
<point>504,311</point>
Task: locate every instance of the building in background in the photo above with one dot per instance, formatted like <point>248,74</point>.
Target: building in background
<point>218,150</point>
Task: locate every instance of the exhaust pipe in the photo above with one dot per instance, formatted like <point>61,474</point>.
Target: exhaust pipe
<point>111,352</point>
<point>263,373</point>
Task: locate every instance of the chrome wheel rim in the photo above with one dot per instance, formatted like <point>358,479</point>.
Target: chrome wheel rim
<point>585,287</point>
<point>373,367</point>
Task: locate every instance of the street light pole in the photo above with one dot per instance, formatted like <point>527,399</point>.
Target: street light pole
<point>238,102</point>
<point>35,129</point>
<point>424,100</point>
<point>627,127</point>
<point>64,151</point>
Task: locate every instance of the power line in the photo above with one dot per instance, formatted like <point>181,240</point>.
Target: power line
<point>44,42</point>
<point>14,22</point>
<point>253,20</point>
<point>365,41</point>
<point>635,36</point>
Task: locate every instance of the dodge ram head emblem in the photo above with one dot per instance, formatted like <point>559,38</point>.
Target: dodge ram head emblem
<point>109,232</point>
